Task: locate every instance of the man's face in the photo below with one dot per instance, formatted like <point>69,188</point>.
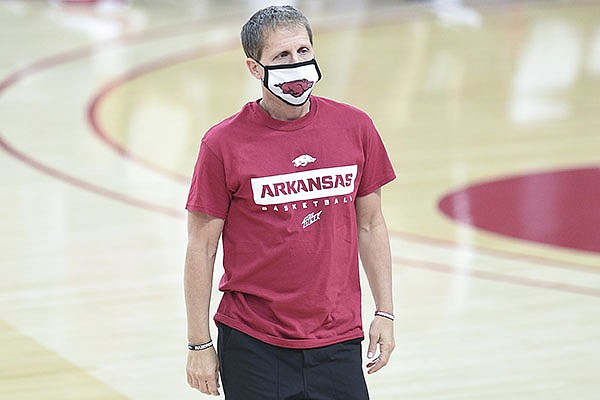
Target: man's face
<point>288,45</point>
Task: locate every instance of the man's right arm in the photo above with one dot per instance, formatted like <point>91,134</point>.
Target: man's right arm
<point>203,238</point>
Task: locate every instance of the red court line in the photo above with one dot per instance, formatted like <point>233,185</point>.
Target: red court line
<point>85,185</point>
<point>505,254</point>
<point>80,53</point>
<point>496,277</point>
<point>95,103</point>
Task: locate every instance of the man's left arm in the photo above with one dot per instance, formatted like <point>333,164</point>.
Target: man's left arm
<point>374,249</point>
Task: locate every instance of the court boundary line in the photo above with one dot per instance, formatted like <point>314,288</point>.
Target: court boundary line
<point>505,254</point>
<point>497,277</point>
<point>96,101</point>
<point>85,185</point>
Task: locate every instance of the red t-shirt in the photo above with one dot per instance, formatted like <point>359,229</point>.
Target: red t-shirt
<point>286,190</point>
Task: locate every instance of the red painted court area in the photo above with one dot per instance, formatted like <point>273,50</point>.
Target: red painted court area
<point>558,208</point>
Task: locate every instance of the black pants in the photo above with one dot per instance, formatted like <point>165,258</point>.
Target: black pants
<point>253,370</point>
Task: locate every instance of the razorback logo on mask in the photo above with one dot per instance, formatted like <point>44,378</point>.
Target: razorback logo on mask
<point>295,88</point>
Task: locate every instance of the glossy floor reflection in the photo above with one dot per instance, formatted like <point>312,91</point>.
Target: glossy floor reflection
<point>487,109</point>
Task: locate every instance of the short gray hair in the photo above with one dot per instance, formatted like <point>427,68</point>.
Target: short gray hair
<point>269,19</point>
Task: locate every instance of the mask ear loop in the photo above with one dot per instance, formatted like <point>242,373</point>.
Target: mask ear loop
<point>266,70</point>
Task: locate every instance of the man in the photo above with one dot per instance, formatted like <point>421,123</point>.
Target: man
<point>292,183</point>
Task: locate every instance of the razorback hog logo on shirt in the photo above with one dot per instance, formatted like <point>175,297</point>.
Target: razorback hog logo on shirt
<point>303,160</point>
<point>295,88</point>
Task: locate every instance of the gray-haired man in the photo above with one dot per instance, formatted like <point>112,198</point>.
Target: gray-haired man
<point>292,183</point>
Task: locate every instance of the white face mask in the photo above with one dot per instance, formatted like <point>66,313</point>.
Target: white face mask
<point>292,83</point>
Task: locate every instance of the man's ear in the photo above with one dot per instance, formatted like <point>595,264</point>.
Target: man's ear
<point>255,69</point>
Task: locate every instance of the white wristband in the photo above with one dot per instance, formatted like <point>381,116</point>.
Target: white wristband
<point>385,315</point>
<point>198,347</point>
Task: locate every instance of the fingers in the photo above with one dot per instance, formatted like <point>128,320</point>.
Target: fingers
<point>373,340</point>
<point>212,385</point>
<point>382,360</point>
<point>381,334</point>
<point>205,384</point>
<point>203,372</point>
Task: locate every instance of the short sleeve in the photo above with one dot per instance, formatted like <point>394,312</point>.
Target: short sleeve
<point>208,191</point>
<point>378,169</point>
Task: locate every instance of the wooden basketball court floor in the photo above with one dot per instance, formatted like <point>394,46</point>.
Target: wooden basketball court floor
<point>491,114</point>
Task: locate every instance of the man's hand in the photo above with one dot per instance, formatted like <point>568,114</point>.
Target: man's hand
<point>203,371</point>
<point>381,333</point>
